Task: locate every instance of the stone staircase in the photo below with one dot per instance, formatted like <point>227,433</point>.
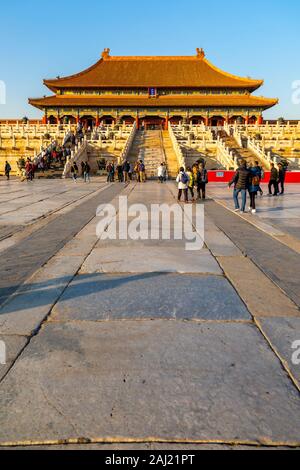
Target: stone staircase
<point>55,171</point>
<point>193,155</point>
<point>240,152</point>
<point>148,146</point>
<point>171,157</point>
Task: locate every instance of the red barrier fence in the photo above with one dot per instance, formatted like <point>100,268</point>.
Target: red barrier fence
<point>223,176</point>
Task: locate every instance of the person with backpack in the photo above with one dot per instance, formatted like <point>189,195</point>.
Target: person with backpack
<point>274,178</point>
<point>183,184</point>
<point>254,186</point>
<point>241,185</point>
<point>7,170</point>
<point>202,181</point>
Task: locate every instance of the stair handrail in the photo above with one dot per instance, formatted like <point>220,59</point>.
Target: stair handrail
<point>225,155</point>
<point>75,157</point>
<point>177,148</point>
<point>260,152</point>
<point>128,143</point>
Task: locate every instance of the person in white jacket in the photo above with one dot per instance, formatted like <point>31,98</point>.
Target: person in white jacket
<point>183,185</point>
<point>162,173</point>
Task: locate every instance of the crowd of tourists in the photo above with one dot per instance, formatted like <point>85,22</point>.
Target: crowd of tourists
<point>192,183</point>
<point>247,182</point>
<point>85,172</point>
<point>126,172</point>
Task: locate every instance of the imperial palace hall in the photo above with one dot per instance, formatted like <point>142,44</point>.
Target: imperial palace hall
<point>153,91</point>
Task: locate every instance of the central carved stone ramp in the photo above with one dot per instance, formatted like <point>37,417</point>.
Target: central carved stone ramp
<point>148,146</point>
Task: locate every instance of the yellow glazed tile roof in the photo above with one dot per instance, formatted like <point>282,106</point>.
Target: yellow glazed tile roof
<point>183,71</point>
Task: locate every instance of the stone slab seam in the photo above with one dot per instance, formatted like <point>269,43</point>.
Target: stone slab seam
<point>254,262</point>
<point>43,219</point>
<point>283,362</point>
<point>287,240</point>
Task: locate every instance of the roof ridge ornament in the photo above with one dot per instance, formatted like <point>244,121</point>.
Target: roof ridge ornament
<point>200,53</point>
<point>105,53</point>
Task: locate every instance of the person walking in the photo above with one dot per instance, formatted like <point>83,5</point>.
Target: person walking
<point>241,185</point>
<point>281,178</point>
<point>191,184</point>
<point>202,181</point>
<point>183,184</point>
<point>273,183</point>
<point>126,170</point>
<point>120,172</point>
<point>110,173</point>
<point>7,170</point>
<point>142,172</point>
<point>162,173</point>
<point>254,186</point>
<point>82,164</point>
<point>130,173</point>
<point>87,169</point>
<point>28,168</point>
<point>74,172</point>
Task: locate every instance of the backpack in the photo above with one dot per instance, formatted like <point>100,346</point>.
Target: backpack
<point>255,181</point>
<point>204,176</point>
<point>184,178</point>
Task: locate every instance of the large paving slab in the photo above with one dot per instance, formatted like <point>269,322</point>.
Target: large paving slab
<point>282,334</point>
<point>279,262</point>
<point>37,248</point>
<point>168,380</point>
<point>24,312</point>
<point>143,259</point>
<point>149,295</point>
<point>261,295</point>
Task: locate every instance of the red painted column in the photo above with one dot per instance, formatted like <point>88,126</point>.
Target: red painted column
<point>44,120</point>
<point>97,121</point>
<point>247,120</point>
<point>137,122</point>
<point>260,120</point>
<point>207,121</point>
<point>167,123</point>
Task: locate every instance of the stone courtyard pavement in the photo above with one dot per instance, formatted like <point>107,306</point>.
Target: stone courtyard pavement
<point>142,344</point>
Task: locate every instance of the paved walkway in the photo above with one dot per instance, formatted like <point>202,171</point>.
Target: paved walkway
<point>139,343</point>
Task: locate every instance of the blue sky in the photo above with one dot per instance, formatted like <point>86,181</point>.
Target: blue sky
<point>41,40</point>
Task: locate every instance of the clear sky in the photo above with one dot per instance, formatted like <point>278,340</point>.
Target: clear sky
<point>43,39</point>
